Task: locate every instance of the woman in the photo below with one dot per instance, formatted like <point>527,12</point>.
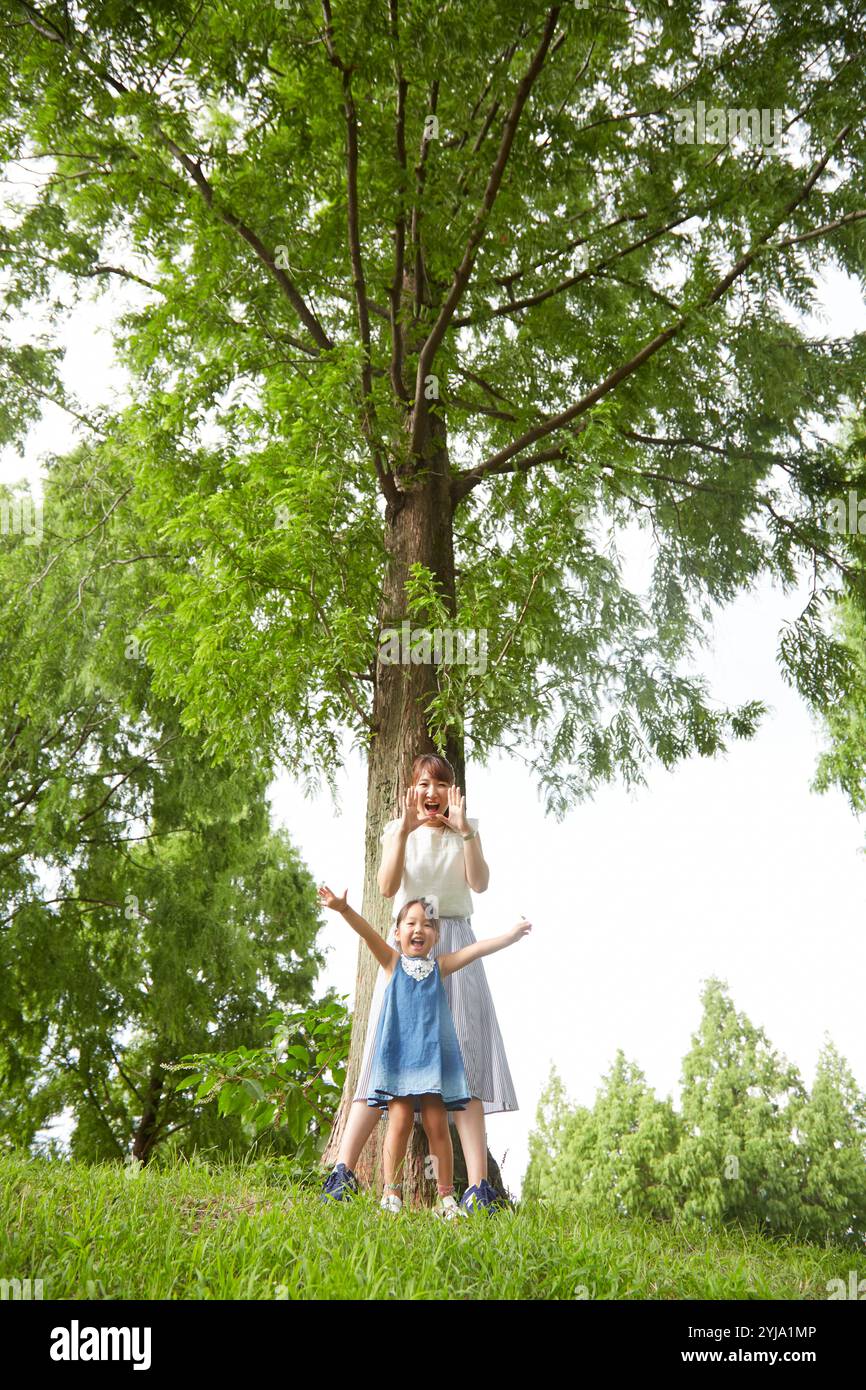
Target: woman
<point>432,851</point>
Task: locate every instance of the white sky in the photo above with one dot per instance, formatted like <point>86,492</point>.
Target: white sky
<point>729,867</point>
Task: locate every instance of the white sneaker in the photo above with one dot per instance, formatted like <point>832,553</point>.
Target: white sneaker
<point>391,1202</point>
<point>448,1208</point>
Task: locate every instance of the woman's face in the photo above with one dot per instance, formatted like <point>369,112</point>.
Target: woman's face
<point>431,797</point>
<point>415,936</point>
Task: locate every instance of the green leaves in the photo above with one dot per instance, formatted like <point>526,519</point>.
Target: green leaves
<point>749,1147</point>
<point>204,154</point>
<point>291,1085</point>
<point>148,908</point>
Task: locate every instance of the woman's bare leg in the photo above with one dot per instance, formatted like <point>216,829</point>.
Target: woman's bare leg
<point>362,1120</point>
<point>473,1140</point>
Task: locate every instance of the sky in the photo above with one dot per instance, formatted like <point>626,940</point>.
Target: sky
<point>730,867</point>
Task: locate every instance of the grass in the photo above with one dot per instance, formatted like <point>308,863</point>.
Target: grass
<point>195,1230</point>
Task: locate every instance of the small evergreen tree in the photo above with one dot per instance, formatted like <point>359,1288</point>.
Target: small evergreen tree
<point>750,1145</point>
<point>831,1137</point>
<point>611,1156</point>
<point>736,1160</point>
<point>545,1141</point>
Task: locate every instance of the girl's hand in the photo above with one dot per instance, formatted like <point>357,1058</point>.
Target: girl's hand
<point>522,929</point>
<point>456,818</point>
<point>329,899</point>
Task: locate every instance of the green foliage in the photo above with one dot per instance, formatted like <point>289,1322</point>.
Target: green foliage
<point>843,764</point>
<point>295,1081</point>
<point>611,1157</point>
<point>639,285</point>
<point>749,1147</point>
<point>738,1157</point>
<point>148,908</point>
<point>830,1133</point>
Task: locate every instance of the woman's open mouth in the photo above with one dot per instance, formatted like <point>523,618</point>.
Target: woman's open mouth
<point>431,808</point>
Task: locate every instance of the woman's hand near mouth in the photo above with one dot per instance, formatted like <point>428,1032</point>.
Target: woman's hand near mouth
<point>456,817</point>
<point>412,815</point>
<point>391,867</point>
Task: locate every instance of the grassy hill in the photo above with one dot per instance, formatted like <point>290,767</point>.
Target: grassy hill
<point>252,1231</point>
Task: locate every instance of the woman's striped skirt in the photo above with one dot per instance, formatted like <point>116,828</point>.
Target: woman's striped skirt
<point>471,1004</point>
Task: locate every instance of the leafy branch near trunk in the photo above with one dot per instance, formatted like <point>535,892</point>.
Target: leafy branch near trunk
<point>294,1082</point>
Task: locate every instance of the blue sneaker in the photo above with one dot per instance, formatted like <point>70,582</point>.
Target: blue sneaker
<point>339,1185</point>
<point>482,1198</point>
<point>469,1201</point>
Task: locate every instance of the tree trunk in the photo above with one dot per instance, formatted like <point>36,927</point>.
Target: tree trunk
<point>419,531</point>
<point>145,1136</point>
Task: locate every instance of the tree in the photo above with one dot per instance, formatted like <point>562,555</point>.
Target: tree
<point>611,1157</point>
<point>831,1135</point>
<point>147,906</point>
<point>428,302</point>
<point>545,1141</point>
<point>740,1103</point>
<point>748,1147</point>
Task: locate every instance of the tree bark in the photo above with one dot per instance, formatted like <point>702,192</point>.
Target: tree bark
<point>418,531</point>
<point>145,1137</point>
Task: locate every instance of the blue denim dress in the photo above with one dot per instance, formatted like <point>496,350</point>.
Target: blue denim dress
<point>416,1051</point>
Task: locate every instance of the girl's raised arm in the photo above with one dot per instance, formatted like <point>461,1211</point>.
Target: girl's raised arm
<point>455,960</point>
<point>385,954</point>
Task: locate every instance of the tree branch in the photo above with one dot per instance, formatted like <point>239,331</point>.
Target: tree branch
<point>465,482</point>
<point>129,1082</point>
<point>529,301</point>
<point>49,30</point>
<point>142,762</point>
<point>464,270</point>
<point>856,216</point>
<point>368,411</point>
<point>807,541</point>
<point>76,540</point>
<point>285,282</point>
<point>690,442</point>
<point>396,294</point>
<point>626,369</point>
<point>420,273</point>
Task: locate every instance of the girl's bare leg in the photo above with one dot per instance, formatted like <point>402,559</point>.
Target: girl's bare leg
<point>434,1118</point>
<point>401,1115</point>
<point>362,1120</point>
<point>473,1139</point>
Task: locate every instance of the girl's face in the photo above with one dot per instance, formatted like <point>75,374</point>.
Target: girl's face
<point>431,797</point>
<point>415,935</point>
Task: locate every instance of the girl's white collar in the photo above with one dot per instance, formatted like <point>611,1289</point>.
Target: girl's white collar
<point>418,967</point>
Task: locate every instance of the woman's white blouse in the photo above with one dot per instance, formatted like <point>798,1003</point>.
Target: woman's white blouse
<point>434,867</point>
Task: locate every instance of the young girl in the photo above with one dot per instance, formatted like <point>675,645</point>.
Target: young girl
<point>416,1064</point>
<point>432,850</point>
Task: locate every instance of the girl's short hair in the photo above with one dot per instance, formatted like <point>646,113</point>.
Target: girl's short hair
<point>429,910</point>
<point>439,768</point>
